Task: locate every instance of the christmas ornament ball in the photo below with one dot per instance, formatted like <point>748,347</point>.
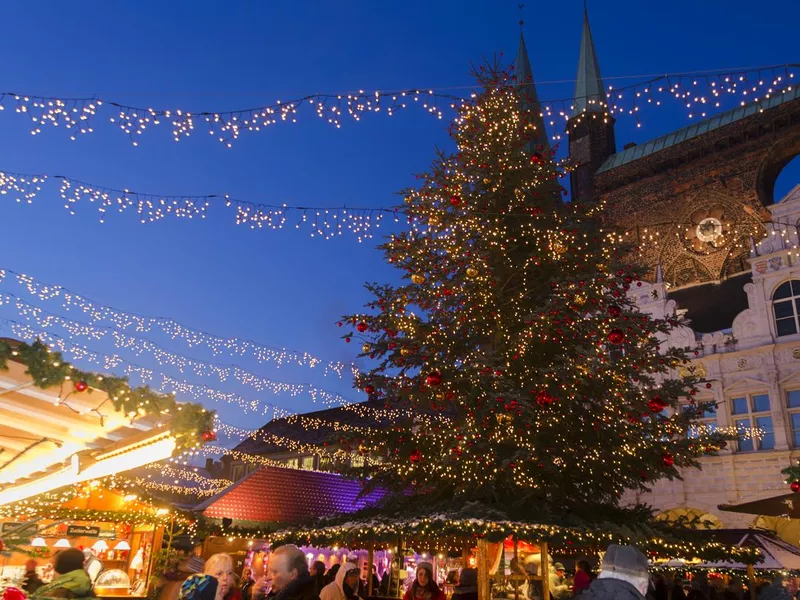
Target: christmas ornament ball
<point>656,404</point>
<point>667,459</point>
<point>616,336</point>
<point>369,389</point>
<point>614,311</point>
<point>472,272</point>
<point>366,348</point>
<point>209,436</point>
<point>455,200</point>
<point>434,378</point>
<point>795,486</point>
<point>362,327</point>
<point>418,278</point>
<point>81,386</point>
<point>415,456</point>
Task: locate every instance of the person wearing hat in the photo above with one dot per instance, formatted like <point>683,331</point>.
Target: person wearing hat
<point>467,588</point>
<point>200,587</point>
<point>623,576</point>
<point>558,585</point>
<point>71,581</point>
<point>424,586</point>
<point>345,586</point>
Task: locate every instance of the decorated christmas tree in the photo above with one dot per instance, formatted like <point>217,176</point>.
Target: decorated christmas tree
<point>524,372</point>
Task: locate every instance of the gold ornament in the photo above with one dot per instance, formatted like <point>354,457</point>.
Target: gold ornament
<point>580,299</point>
<point>486,180</point>
<point>434,221</point>
<point>418,278</point>
<point>405,351</point>
<point>408,199</point>
<point>472,272</point>
<point>559,247</point>
<point>366,348</point>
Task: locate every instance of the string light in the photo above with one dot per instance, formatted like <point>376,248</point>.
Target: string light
<point>696,92</point>
<point>122,320</point>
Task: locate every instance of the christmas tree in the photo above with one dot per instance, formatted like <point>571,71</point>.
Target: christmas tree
<point>525,373</point>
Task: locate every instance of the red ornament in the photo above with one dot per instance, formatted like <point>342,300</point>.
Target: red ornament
<point>369,389</point>
<point>656,404</point>
<point>415,456</point>
<point>209,436</point>
<point>12,593</point>
<point>536,159</point>
<point>544,399</point>
<point>667,459</point>
<point>708,385</point>
<point>795,486</point>
<point>81,386</point>
<point>614,310</point>
<point>455,200</point>
<point>362,327</point>
<point>616,336</point>
<point>434,378</point>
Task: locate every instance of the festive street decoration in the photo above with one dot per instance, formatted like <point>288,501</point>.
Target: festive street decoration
<point>698,93</point>
<point>121,320</point>
<point>80,352</point>
<point>49,369</point>
<point>539,386</point>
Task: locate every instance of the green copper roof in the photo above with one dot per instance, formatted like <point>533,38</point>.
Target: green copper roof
<point>696,130</point>
<point>524,75</point>
<point>589,90</point>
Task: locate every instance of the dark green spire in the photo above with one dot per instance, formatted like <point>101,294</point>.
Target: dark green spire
<point>524,75</point>
<point>590,93</point>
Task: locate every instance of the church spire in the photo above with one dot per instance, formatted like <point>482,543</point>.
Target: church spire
<point>590,94</point>
<point>524,75</point>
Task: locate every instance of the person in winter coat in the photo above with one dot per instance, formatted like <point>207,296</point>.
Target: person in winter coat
<point>31,581</point>
<point>318,574</point>
<point>288,572</point>
<point>330,576</point>
<point>623,576</point>
<point>71,581</point>
<point>424,586</point>
<point>346,585</point>
<point>583,577</point>
<point>467,588</point>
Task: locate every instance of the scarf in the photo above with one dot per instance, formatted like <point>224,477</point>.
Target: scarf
<point>76,582</point>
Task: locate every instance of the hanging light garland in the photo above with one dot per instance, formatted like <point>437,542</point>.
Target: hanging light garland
<point>128,321</point>
<point>697,92</point>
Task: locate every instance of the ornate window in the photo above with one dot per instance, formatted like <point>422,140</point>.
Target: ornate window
<point>753,421</point>
<point>786,306</point>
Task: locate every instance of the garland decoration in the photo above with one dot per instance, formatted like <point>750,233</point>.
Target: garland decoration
<point>696,92</point>
<point>48,369</point>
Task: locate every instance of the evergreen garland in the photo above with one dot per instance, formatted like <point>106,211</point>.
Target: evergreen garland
<point>49,369</point>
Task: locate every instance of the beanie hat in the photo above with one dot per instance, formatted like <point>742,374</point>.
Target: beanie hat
<point>625,560</point>
<point>199,587</point>
<point>67,561</point>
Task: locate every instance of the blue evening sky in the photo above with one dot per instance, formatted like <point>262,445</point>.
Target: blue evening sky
<point>283,288</point>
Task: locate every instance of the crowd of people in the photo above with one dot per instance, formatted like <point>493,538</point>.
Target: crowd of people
<point>623,576</point>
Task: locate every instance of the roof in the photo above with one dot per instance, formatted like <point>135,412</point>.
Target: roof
<point>278,495</point>
<point>692,131</point>
<point>589,89</point>
<point>778,555</point>
<point>712,307</point>
<point>292,427</point>
<point>524,75</point>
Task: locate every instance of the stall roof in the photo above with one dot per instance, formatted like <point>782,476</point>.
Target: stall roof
<point>283,495</point>
<point>47,435</point>
<point>778,555</point>
<point>784,505</point>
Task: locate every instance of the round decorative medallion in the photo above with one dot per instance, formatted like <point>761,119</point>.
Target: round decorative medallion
<point>707,229</point>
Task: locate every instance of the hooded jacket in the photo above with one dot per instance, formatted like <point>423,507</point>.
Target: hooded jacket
<point>335,589</point>
<point>610,589</point>
<point>74,584</point>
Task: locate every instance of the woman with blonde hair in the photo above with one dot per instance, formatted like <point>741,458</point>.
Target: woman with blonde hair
<point>220,566</point>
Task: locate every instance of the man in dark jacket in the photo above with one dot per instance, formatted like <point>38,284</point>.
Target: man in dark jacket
<point>288,572</point>
<point>623,576</point>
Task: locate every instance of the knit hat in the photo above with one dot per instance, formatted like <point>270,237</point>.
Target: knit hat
<point>468,577</point>
<point>199,587</point>
<point>427,566</point>
<point>625,560</point>
<point>67,561</point>
<point>558,567</point>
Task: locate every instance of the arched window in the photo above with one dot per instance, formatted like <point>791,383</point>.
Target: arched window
<point>786,304</point>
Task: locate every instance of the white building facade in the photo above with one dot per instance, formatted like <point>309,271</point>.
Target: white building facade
<point>754,370</point>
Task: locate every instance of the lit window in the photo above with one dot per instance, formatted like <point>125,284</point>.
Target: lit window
<point>786,307</point>
<point>793,404</point>
<point>294,463</point>
<point>753,422</point>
